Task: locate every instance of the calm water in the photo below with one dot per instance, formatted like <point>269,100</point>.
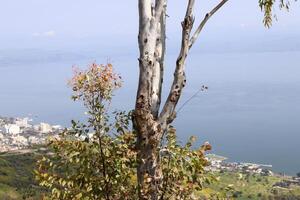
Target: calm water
<point>251,111</point>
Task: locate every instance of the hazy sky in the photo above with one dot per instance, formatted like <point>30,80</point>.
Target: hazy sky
<point>56,23</point>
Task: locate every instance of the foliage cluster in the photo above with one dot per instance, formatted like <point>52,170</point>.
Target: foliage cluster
<point>267,6</point>
<point>183,168</point>
<point>97,159</point>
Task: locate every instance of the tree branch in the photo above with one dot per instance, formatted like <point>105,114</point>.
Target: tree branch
<point>159,55</point>
<point>168,113</point>
<point>206,18</point>
<point>159,6</point>
<point>147,43</point>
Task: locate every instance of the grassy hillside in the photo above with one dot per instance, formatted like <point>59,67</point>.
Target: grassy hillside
<point>17,182</point>
<point>233,185</point>
<point>16,176</point>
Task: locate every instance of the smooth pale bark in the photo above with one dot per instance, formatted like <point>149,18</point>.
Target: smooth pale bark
<point>149,123</point>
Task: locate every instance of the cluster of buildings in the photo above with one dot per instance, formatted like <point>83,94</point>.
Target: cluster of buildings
<point>218,164</point>
<point>287,183</point>
<point>19,133</point>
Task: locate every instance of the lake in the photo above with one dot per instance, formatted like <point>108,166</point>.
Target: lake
<point>251,111</point>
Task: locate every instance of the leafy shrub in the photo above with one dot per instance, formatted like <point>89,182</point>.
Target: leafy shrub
<point>182,167</point>
<point>97,159</point>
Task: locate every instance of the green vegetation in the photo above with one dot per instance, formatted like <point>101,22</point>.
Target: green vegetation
<point>235,185</point>
<point>98,159</point>
<point>16,176</point>
<point>17,182</point>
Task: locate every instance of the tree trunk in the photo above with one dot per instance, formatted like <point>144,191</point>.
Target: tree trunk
<point>149,132</point>
<point>149,124</point>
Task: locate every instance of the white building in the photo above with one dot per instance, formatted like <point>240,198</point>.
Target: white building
<point>2,130</point>
<point>23,122</point>
<point>12,129</point>
<point>57,127</point>
<point>45,128</point>
<point>33,140</point>
<point>19,140</point>
<point>37,127</point>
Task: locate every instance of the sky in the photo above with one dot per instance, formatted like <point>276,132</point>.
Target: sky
<point>114,23</point>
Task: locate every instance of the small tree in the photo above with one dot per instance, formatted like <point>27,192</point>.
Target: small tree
<point>96,159</point>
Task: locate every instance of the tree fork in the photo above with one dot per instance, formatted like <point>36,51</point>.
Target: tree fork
<point>148,122</point>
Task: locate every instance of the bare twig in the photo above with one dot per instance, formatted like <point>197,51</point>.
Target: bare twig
<point>192,97</point>
<point>202,24</point>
